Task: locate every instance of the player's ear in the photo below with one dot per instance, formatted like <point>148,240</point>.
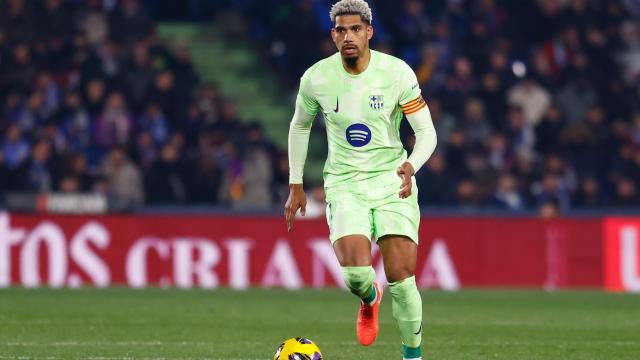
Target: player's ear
<point>369,32</point>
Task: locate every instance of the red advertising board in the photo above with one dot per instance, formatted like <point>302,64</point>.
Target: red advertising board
<point>622,254</point>
<point>239,252</point>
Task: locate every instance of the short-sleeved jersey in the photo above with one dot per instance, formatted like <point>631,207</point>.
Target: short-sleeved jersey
<point>362,115</point>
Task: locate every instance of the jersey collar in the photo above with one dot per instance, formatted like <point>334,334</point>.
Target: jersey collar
<point>372,61</point>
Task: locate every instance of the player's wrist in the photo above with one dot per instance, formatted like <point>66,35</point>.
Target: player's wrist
<point>295,186</point>
<point>410,167</point>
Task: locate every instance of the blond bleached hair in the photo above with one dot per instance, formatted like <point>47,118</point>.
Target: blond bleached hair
<point>351,7</point>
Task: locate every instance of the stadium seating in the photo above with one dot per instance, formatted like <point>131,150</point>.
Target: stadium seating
<point>94,100</point>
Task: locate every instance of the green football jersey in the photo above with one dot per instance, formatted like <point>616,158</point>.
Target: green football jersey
<point>362,115</point>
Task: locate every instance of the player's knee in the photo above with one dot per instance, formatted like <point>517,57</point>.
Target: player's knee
<point>398,273</point>
<point>403,286</point>
<point>358,278</point>
<point>353,251</point>
<point>354,260</point>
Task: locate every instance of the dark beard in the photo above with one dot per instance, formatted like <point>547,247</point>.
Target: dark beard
<point>351,62</point>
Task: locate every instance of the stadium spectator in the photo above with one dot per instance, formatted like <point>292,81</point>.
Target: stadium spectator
<point>155,123</point>
<point>589,195</point>
<point>130,21</point>
<point>115,124</point>
<point>165,182</point>
<point>74,122</point>
<point>476,127</point>
<point>205,179</point>
<point>531,97</point>
<point>123,179</point>
<point>456,152</point>
<point>232,189</point>
<point>520,132</point>
<point>550,189</point>
<point>549,130</point>
<point>259,170</point>
<point>500,155</point>
<point>435,182</point>
<point>549,210</point>
<point>139,75</point>
<point>507,194</point>
<point>411,25</point>
<point>35,173</point>
<point>468,196</point>
<point>78,169</point>
<point>627,193</point>
<point>69,184</point>
<point>14,147</point>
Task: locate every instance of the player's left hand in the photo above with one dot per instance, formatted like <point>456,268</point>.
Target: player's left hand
<point>405,172</point>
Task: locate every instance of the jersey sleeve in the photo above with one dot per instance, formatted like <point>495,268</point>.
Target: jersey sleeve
<point>410,98</point>
<point>305,96</point>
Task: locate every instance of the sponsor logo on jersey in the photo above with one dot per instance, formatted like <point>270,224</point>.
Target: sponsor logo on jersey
<point>376,102</point>
<point>358,135</point>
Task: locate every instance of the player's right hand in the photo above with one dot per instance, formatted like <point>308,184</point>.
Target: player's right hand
<point>297,200</point>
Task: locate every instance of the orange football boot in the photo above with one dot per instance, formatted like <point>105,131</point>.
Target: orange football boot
<point>367,324</point>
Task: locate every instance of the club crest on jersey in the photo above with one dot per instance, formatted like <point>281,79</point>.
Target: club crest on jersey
<point>358,135</point>
<point>376,102</point>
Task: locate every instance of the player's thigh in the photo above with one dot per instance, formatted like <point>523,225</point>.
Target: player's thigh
<point>396,216</point>
<point>353,250</point>
<point>399,254</point>
<point>347,215</point>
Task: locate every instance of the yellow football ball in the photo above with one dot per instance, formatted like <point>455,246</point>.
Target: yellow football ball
<point>298,349</point>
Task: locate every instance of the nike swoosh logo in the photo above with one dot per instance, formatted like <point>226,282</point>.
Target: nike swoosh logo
<point>337,106</point>
<point>419,330</point>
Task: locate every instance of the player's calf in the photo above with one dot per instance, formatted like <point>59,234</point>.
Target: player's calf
<point>406,307</point>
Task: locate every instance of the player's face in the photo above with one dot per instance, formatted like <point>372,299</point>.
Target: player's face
<point>351,35</point>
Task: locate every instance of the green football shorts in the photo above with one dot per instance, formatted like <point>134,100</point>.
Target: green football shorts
<point>372,211</point>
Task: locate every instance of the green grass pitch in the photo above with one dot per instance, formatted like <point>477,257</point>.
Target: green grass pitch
<point>223,324</point>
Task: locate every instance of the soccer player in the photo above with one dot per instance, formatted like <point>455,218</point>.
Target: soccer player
<point>368,179</point>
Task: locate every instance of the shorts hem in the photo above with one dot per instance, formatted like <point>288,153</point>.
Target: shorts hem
<point>412,237</point>
<point>333,239</point>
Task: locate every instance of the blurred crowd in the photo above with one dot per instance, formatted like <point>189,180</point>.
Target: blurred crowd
<point>536,103</point>
<point>92,101</point>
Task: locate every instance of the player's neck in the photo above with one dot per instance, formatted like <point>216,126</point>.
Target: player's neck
<point>359,66</point>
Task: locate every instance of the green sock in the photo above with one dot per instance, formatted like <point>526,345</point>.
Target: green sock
<point>406,306</point>
<point>359,280</point>
<point>411,352</point>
